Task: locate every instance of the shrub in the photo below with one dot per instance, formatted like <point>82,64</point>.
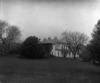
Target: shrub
<point>85,54</point>
<point>4,50</point>
<point>32,49</point>
<point>29,47</point>
<point>15,49</point>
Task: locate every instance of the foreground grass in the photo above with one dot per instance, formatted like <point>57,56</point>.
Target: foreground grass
<point>14,70</point>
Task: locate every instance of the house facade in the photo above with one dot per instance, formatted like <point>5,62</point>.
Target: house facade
<point>59,48</point>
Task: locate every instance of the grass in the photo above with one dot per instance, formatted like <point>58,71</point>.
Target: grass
<point>58,70</point>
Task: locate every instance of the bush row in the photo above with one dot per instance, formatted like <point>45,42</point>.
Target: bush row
<point>31,48</point>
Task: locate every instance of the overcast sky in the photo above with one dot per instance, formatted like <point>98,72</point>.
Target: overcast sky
<point>49,18</point>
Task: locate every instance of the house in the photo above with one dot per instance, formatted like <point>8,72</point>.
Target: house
<point>59,48</point>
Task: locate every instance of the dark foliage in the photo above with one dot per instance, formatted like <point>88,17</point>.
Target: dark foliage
<point>85,54</point>
<point>15,49</point>
<point>47,52</point>
<point>9,35</point>
<point>32,40</point>
<point>31,48</point>
<point>94,46</point>
<point>4,50</point>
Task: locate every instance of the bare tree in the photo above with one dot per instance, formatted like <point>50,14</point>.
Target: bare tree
<point>74,41</point>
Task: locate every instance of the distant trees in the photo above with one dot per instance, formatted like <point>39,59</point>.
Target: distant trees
<point>74,41</point>
<point>8,32</point>
<point>49,38</point>
<point>13,34</point>
<point>30,48</point>
<point>8,36</point>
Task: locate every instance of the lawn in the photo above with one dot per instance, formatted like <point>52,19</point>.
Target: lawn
<point>58,70</point>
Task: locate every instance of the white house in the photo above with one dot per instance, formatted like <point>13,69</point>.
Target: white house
<point>57,47</point>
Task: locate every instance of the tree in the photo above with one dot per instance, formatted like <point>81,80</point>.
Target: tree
<point>94,47</point>
<point>9,33</point>
<point>74,41</point>
<point>8,36</point>
<point>31,48</point>
<point>3,26</point>
<point>13,34</point>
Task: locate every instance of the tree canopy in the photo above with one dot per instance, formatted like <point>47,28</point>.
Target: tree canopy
<point>74,40</point>
<point>9,33</point>
<point>94,46</point>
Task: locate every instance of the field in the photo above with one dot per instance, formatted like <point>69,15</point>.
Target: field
<point>58,70</point>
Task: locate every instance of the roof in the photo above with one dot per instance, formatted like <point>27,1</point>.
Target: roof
<point>53,41</point>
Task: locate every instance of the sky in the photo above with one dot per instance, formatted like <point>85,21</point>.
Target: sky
<point>49,18</point>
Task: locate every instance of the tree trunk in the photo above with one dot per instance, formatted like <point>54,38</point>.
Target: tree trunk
<point>74,55</point>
